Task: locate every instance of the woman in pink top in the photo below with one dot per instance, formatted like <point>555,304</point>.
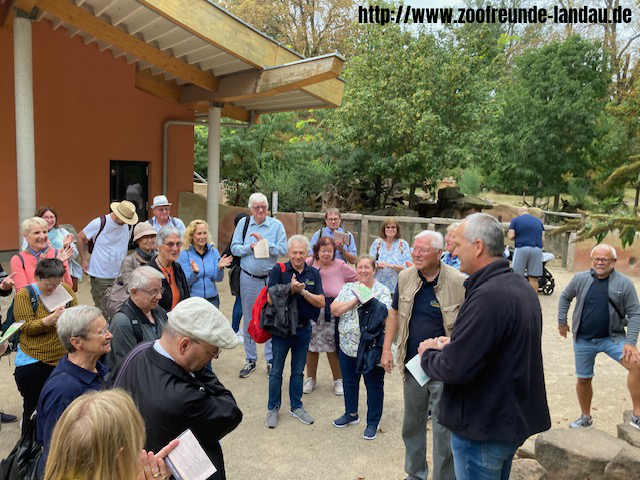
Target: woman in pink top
<point>23,265</point>
<point>334,274</point>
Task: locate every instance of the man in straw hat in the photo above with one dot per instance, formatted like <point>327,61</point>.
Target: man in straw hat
<point>108,239</point>
<point>171,387</point>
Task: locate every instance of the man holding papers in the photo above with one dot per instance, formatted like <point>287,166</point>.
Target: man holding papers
<point>494,395</point>
<point>425,305</point>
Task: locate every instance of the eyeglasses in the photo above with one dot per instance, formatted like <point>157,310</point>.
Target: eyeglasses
<point>422,250</point>
<point>173,244</point>
<point>260,207</point>
<point>101,333</point>
<point>214,353</point>
<point>391,227</point>
<point>152,293</point>
<point>333,220</point>
<point>602,260</point>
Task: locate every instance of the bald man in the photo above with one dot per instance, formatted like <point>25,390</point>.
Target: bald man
<point>606,302</point>
<point>527,233</point>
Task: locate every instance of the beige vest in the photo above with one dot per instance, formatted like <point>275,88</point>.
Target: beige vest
<point>449,292</point>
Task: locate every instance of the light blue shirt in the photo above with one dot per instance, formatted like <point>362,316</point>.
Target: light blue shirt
<point>173,222</point>
<point>271,229</point>
<point>326,232</point>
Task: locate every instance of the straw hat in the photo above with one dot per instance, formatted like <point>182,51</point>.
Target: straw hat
<point>125,211</point>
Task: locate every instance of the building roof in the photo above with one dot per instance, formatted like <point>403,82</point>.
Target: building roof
<point>194,52</point>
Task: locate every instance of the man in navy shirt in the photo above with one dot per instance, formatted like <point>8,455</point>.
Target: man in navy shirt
<point>306,285</point>
<point>426,303</point>
<point>527,232</point>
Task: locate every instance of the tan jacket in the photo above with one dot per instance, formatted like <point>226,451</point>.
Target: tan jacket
<point>449,292</point>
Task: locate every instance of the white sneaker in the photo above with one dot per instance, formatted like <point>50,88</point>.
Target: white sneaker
<point>308,385</point>
<point>338,388</point>
<point>239,335</point>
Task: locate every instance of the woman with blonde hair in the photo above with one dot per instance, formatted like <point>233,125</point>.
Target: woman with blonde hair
<point>100,437</point>
<point>202,263</point>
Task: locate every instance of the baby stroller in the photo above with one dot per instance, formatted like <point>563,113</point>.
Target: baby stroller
<point>546,283</point>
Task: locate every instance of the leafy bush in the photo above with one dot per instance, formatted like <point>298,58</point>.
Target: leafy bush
<point>471,181</point>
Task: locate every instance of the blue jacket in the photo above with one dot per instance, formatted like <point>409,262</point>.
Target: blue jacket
<point>203,283</point>
<point>66,383</point>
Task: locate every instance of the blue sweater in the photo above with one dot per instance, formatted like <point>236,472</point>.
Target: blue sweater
<point>203,283</point>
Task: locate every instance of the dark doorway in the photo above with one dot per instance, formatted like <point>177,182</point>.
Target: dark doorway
<point>130,181</point>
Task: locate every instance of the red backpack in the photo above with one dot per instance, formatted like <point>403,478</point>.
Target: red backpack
<point>259,334</point>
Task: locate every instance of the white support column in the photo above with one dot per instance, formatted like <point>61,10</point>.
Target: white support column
<point>25,143</point>
<point>213,171</point>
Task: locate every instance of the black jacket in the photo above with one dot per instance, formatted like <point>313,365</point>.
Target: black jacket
<point>492,368</point>
<point>372,316</point>
<point>170,401</point>
<point>181,280</point>
<point>281,318</point>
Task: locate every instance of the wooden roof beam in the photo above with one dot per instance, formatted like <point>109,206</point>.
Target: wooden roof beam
<point>80,18</point>
<point>269,82</point>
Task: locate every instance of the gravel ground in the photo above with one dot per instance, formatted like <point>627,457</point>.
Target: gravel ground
<point>298,451</point>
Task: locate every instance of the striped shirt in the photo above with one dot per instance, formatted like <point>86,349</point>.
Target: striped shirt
<point>37,340</point>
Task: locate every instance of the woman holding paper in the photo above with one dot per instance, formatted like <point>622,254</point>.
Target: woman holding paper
<point>100,437</point>
<point>39,306</point>
<point>334,275</point>
<point>201,262</point>
<point>346,307</point>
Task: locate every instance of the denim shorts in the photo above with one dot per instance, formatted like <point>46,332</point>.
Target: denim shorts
<point>585,352</point>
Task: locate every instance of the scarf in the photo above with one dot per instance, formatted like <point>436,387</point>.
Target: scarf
<point>143,255</point>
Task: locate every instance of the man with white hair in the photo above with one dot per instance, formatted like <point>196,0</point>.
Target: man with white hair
<point>527,233</point>
<point>302,283</point>
<point>140,319</point>
<point>606,302</point>
<point>494,394</point>
<point>425,304</point>
<point>254,271</point>
<point>172,389</point>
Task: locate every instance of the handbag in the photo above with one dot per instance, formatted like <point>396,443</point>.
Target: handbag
<point>234,280</point>
<point>22,461</point>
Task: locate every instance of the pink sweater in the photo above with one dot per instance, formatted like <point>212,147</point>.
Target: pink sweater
<point>25,276</point>
<point>334,277</point>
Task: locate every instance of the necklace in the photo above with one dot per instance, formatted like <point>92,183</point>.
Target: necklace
<point>165,271</point>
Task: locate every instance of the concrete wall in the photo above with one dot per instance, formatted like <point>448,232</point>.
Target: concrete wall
<point>87,113</point>
<point>628,261</point>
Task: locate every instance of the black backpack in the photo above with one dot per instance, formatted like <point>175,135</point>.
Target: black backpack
<point>15,338</point>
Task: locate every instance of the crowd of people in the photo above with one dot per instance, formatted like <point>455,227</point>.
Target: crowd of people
<point>120,380</point>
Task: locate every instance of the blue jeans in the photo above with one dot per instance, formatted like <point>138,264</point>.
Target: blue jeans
<point>215,301</point>
<point>585,352</point>
<point>488,460</point>
<point>236,316</point>
<point>298,344</point>
<point>373,381</point>
<point>250,288</point>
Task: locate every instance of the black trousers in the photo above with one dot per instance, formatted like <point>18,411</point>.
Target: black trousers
<point>30,380</point>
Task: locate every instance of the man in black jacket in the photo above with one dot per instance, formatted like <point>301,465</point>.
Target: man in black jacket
<point>171,387</point>
<point>494,396</point>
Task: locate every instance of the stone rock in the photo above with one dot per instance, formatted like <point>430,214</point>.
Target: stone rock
<point>625,465</point>
<point>629,434</point>
<point>527,449</point>
<point>626,416</point>
<point>527,469</point>
<point>576,454</point>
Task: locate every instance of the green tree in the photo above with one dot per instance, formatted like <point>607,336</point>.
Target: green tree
<point>549,116</point>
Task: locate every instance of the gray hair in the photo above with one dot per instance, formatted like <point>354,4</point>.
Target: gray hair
<point>484,227</point>
<point>75,322</point>
<point>298,239</point>
<point>258,197</point>
<point>437,241</point>
<point>614,254</point>
<point>139,278</point>
<point>453,226</point>
<point>27,225</point>
<point>165,232</point>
